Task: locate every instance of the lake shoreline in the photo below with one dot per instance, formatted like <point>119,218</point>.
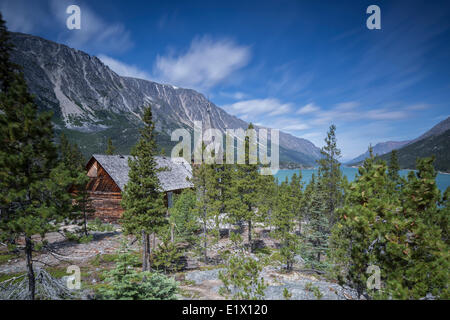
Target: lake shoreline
<point>442,178</point>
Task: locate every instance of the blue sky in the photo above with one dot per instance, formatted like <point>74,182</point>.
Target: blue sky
<point>294,65</point>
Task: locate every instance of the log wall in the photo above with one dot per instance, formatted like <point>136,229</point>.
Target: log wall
<point>107,205</point>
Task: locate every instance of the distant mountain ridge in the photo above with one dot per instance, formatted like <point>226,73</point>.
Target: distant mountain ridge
<point>380,149</point>
<point>434,142</point>
<point>92,103</point>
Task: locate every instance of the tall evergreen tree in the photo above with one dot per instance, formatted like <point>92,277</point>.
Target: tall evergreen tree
<point>394,167</point>
<point>110,149</point>
<point>201,175</point>
<point>33,187</point>
<point>318,229</point>
<point>298,200</point>
<point>73,161</point>
<point>330,174</point>
<point>143,199</point>
<point>8,69</point>
<point>284,222</point>
<point>243,191</point>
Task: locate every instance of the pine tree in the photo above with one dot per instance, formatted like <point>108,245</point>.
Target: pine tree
<point>358,231</point>
<point>318,229</point>
<point>298,201</point>
<point>400,231</point>
<point>143,201</point>
<point>243,192</point>
<point>74,162</point>
<point>330,174</point>
<point>183,216</point>
<point>394,167</point>
<point>284,222</point>
<point>110,149</point>
<point>33,187</point>
<point>8,69</point>
<point>209,204</point>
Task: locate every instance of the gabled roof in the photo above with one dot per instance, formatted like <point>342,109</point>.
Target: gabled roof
<point>176,177</point>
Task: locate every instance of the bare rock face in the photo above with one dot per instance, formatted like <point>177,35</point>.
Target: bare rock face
<point>86,96</point>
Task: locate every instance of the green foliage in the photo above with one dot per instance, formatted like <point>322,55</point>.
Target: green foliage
<point>145,212</point>
<point>167,255</point>
<point>183,216</point>
<point>284,222</point>
<point>330,175</point>
<point>241,277</point>
<point>286,294</point>
<point>98,225</point>
<point>314,289</point>
<point>317,230</point>
<point>33,186</point>
<point>243,190</point>
<point>71,236</point>
<point>125,283</point>
<point>402,232</point>
<point>394,167</point>
<point>211,182</point>
<point>110,149</point>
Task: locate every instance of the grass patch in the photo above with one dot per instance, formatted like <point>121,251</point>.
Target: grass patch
<point>108,258</point>
<point>5,257</point>
<point>7,276</point>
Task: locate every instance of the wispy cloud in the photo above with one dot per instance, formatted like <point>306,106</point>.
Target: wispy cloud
<point>254,107</point>
<point>206,63</point>
<point>234,95</point>
<point>285,124</point>
<point>124,69</point>
<point>309,108</point>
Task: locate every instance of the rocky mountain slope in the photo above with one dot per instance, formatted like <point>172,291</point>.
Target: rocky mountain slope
<point>435,141</point>
<point>433,145</point>
<point>380,149</point>
<point>91,102</point>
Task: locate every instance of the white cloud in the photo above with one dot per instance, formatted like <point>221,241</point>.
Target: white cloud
<point>124,69</point>
<point>234,95</point>
<point>309,108</point>
<point>269,106</point>
<point>286,124</point>
<point>350,105</point>
<point>95,33</point>
<point>418,106</point>
<point>205,64</point>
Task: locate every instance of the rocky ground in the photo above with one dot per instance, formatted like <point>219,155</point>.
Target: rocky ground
<point>197,281</point>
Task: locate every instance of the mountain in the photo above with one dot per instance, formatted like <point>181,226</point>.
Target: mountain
<point>436,145</point>
<point>438,129</point>
<point>435,141</point>
<point>380,149</point>
<point>92,103</point>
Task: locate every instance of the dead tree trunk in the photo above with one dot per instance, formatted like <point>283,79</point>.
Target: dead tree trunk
<point>30,273</point>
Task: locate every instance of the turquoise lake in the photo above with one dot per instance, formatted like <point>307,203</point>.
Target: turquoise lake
<point>442,180</point>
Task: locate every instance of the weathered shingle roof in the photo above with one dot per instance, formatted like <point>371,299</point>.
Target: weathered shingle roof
<point>176,177</point>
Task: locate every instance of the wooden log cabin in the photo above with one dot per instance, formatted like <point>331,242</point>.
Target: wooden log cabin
<point>109,175</point>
